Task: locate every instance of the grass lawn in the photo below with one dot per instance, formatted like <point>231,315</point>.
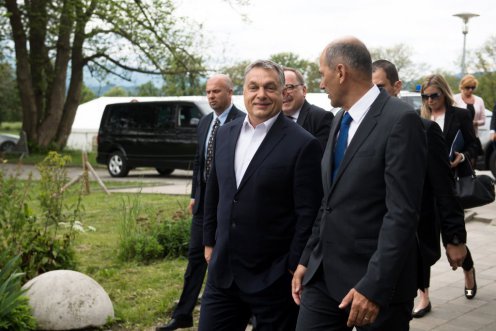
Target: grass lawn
<point>143,295</point>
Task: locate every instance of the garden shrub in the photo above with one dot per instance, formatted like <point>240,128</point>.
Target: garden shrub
<point>38,237</point>
<point>15,312</point>
<point>145,235</point>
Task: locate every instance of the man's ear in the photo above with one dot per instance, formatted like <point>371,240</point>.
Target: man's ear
<point>341,72</point>
<point>397,87</point>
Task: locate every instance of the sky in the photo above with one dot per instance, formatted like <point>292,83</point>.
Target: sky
<point>305,27</point>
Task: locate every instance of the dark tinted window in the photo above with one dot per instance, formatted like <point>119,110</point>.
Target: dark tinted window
<point>166,116</point>
<point>188,115</point>
<point>142,117</point>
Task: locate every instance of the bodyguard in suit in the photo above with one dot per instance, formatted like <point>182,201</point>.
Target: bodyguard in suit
<point>219,90</point>
<point>440,211</point>
<point>314,119</point>
<point>492,125</point>
<point>359,267</point>
<point>262,197</point>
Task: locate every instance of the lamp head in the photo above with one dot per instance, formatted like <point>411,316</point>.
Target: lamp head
<point>466,16</point>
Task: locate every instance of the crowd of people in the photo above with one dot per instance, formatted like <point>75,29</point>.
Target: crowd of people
<point>309,221</point>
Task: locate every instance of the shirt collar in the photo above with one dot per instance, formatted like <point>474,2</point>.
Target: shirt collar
<point>222,117</point>
<point>361,107</point>
<point>267,124</point>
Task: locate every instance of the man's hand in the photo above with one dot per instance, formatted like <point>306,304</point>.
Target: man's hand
<point>191,205</point>
<point>493,137</point>
<point>456,254</point>
<point>363,311</point>
<point>296,287</point>
<point>208,253</point>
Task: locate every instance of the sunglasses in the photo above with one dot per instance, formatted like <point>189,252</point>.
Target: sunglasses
<point>433,96</point>
<point>469,88</point>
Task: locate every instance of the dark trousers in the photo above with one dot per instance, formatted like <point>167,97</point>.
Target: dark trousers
<point>195,272</point>
<point>320,312</point>
<point>230,309</point>
<point>467,265</point>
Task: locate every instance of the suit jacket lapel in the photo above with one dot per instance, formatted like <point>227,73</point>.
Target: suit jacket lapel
<point>273,137</point>
<point>203,135</point>
<point>232,114</point>
<point>448,120</point>
<point>363,132</point>
<point>231,147</point>
<point>327,158</point>
<point>303,113</point>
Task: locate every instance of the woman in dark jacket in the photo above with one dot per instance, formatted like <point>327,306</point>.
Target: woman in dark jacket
<point>437,105</point>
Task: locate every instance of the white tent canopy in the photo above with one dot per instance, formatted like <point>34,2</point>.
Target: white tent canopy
<point>88,116</point>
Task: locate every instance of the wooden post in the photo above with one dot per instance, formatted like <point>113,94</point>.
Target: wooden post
<point>84,176</point>
<point>86,181</point>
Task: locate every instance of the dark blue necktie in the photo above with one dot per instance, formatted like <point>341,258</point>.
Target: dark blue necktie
<point>341,144</point>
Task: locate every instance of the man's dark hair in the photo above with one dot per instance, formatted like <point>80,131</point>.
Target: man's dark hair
<point>267,65</point>
<point>389,68</point>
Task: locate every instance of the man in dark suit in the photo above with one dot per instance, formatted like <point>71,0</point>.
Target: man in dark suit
<point>360,263</point>
<point>314,119</point>
<point>440,211</point>
<point>492,125</point>
<point>219,90</point>
<point>262,198</point>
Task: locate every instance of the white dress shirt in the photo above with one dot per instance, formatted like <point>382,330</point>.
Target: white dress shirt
<point>250,139</point>
<point>439,120</point>
<point>360,109</point>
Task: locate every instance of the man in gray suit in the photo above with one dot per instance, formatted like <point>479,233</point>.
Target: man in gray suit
<point>359,267</point>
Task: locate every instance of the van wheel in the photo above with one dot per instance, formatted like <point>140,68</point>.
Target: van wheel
<point>492,163</point>
<point>164,171</point>
<point>117,165</point>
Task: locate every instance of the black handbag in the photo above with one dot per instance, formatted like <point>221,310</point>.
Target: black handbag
<point>473,190</point>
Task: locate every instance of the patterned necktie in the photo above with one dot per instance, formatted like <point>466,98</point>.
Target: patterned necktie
<point>210,149</point>
<point>342,143</point>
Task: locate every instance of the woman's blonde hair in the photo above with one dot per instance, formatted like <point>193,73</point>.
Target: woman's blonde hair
<point>468,80</point>
<point>440,83</point>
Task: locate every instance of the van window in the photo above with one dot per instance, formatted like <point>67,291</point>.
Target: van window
<point>166,116</point>
<point>188,116</point>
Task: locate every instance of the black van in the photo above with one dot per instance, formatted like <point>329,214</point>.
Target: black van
<point>159,134</point>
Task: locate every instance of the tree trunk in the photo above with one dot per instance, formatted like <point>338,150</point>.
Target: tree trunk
<point>26,92</point>
<point>56,92</point>
<point>77,66</point>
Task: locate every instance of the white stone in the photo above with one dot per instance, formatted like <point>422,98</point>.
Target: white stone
<point>68,300</point>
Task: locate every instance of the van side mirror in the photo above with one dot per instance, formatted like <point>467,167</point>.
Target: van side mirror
<point>194,121</point>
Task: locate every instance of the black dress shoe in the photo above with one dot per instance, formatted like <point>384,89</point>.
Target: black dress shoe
<point>175,324</point>
<point>422,312</point>
<point>470,293</point>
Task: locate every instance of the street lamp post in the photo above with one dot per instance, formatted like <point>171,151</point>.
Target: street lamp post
<point>465,17</point>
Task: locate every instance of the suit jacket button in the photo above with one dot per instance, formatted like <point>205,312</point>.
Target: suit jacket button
<point>328,209</point>
<point>233,225</point>
<point>235,201</point>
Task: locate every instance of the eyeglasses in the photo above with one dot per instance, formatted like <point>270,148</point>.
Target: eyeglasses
<point>291,87</point>
<point>470,88</point>
<point>433,96</point>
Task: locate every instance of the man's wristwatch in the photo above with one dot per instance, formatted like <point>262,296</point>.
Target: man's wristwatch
<point>455,240</point>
